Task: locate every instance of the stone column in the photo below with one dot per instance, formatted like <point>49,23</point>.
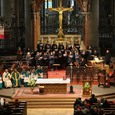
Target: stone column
<point>35,29</point>
<point>113,21</point>
<point>6,10</point>
<point>36,24</point>
<point>91,34</point>
<point>28,27</point>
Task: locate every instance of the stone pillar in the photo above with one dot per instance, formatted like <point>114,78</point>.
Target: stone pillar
<point>37,29</point>
<point>6,10</point>
<point>28,27</point>
<point>91,21</point>
<point>113,21</point>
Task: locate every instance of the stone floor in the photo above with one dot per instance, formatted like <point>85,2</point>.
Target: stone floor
<point>95,89</point>
<point>52,111</point>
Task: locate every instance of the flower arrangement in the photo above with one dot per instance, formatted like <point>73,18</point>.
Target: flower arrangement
<point>32,82</point>
<point>87,86</point>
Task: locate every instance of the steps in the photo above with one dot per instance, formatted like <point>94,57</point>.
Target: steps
<point>57,102</point>
<point>54,102</point>
<point>107,96</point>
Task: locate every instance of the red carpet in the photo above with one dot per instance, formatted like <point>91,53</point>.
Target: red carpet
<point>56,74</point>
<point>62,73</point>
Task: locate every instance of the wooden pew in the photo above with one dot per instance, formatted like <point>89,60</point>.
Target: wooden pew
<point>19,108</point>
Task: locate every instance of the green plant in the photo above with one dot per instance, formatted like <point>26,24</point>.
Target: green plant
<point>32,82</point>
<point>87,86</point>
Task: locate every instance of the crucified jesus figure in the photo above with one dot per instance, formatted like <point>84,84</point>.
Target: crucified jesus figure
<point>60,10</point>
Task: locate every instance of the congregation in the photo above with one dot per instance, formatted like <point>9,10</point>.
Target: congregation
<point>93,106</point>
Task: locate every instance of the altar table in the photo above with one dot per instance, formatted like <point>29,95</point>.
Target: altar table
<point>53,86</point>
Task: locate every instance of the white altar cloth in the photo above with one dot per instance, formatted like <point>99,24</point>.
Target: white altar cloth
<point>53,81</point>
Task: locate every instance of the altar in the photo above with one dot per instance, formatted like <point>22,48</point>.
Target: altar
<point>53,86</point>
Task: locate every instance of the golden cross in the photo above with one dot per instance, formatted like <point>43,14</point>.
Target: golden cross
<point>60,10</point>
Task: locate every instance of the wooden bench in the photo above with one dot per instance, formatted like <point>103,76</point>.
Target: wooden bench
<point>16,109</point>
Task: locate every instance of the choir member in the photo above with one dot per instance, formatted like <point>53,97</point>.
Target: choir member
<point>45,59</point>
<point>71,58</point>
<point>40,46</point>
<point>77,46</point>
<point>51,59</point>
<point>54,46</point>
<point>39,58</point>
<point>47,47</point>
<point>68,46</point>
<point>61,47</point>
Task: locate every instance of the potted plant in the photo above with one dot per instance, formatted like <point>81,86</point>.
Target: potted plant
<point>87,86</point>
<point>32,83</point>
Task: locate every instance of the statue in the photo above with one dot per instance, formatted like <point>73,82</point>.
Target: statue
<point>60,10</point>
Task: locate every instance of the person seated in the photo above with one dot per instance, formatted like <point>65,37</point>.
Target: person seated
<point>23,75</point>
<point>15,76</point>
<point>1,82</point>
<point>26,78</point>
<point>16,103</point>
<point>106,104</point>
<point>78,102</point>
<point>82,62</point>
<point>93,99</point>
<point>7,78</point>
<point>39,71</point>
<point>33,73</point>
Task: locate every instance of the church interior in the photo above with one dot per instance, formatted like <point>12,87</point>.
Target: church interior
<point>57,57</point>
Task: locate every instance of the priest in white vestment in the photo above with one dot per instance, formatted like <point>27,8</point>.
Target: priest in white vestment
<point>7,78</point>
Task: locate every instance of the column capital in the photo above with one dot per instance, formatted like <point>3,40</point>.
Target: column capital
<point>33,5</point>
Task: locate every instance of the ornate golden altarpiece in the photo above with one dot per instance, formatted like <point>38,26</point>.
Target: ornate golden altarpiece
<point>61,38</point>
<point>68,38</point>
